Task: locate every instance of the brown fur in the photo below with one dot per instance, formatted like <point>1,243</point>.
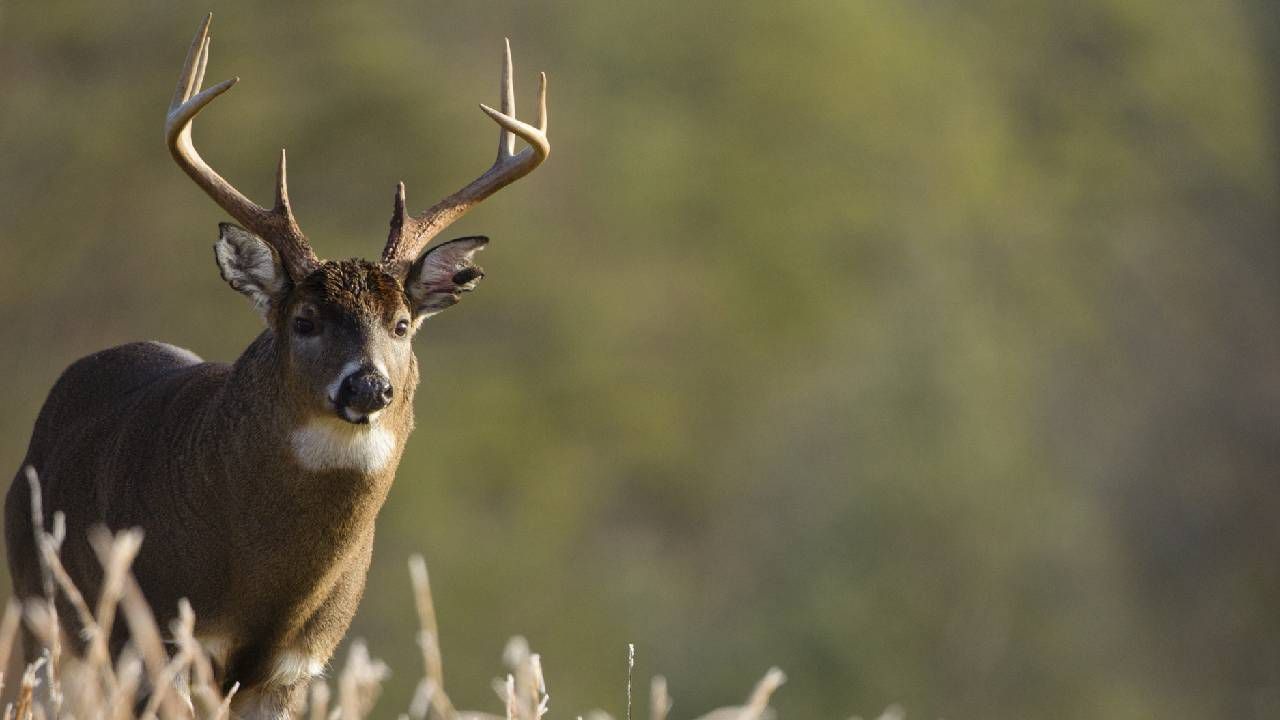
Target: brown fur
<point>273,557</point>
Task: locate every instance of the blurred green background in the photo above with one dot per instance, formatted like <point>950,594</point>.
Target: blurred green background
<point>927,350</point>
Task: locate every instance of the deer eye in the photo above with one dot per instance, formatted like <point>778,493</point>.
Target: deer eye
<point>402,328</point>
<point>304,326</point>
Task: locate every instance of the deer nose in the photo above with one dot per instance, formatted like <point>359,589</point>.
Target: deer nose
<point>365,391</point>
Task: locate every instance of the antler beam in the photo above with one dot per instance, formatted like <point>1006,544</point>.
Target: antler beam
<point>276,226</point>
<point>410,234</point>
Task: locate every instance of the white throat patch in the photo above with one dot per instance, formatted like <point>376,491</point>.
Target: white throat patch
<point>330,444</point>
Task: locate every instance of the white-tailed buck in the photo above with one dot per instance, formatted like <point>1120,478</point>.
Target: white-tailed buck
<point>257,483</point>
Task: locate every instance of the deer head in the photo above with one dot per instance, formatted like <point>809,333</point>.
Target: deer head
<point>342,329</point>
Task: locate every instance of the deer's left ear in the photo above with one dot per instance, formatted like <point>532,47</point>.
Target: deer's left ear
<point>438,278</point>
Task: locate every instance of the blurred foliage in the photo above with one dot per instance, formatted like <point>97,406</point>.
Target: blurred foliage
<point>926,350</point>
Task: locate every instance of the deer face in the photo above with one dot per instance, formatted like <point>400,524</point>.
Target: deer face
<point>344,330</point>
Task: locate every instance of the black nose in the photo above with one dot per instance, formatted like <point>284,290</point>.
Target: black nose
<point>365,390</point>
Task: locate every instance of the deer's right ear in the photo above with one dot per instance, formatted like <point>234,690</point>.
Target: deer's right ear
<point>250,266</point>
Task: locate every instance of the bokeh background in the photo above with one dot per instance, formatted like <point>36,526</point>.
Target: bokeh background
<point>926,350</point>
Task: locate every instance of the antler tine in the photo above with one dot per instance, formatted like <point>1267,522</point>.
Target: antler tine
<point>507,91</point>
<point>542,104</point>
<point>276,226</point>
<point>282,186</point>
<point>191,74</point>
<point>204,61</point>
<point>411,234</point>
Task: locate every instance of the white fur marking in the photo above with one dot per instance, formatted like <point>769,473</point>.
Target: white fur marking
<point>361,418</point>
<point>331,444</point>
<point>292,667</point>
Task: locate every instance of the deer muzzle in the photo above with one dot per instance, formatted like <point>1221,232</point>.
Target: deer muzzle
<point>362,394</point>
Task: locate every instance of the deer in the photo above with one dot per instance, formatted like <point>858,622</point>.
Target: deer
<point>257,483</point>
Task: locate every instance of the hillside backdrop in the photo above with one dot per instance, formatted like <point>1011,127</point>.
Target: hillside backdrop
<point>930,353</point>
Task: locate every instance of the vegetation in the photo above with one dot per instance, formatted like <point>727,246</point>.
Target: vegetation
<point>147,680</point>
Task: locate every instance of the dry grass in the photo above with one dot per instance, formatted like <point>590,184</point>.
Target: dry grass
<point>166,675</point>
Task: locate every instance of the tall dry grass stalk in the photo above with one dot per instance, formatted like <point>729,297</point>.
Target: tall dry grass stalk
<point>163,675</point>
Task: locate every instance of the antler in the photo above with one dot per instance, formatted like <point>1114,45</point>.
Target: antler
<point>277,226</point>
<point>410,234</point>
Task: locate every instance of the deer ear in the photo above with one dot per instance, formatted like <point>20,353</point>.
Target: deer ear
<point>250,266</point>
<point>438,279</point>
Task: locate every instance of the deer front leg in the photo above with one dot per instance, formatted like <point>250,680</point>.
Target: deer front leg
<point>271,702</point>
